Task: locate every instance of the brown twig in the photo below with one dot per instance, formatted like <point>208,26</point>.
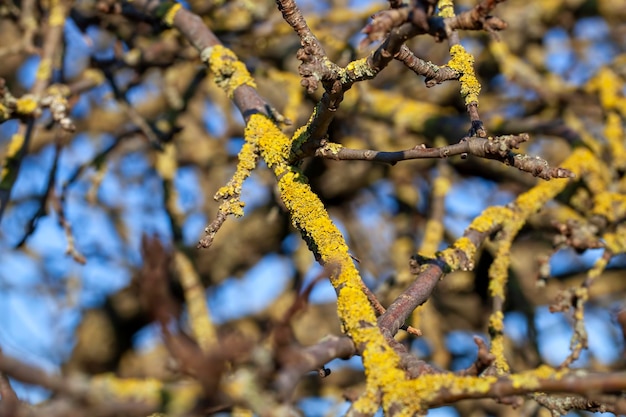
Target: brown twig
<point>428,274</point>
<point>498,148</point>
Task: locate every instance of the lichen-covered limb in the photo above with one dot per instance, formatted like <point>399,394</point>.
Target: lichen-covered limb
<point>230,194</point>
<point>228,71</point>
<point>463,62</point>
<point>107,393</point>
<point>311,218</point>
<point>461,254</point>
<point>446,389</point>
<point>608,86</point>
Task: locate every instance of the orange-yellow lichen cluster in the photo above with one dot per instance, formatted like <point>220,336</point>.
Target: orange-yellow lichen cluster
<point>229,72</point>
<point>169,16</point>
<point>231,192</point>
<point>8,174</point>
<point>463,62</point>
<point>311,218</point>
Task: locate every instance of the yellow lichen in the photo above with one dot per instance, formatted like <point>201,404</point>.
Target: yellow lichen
<point>168,19</point>
<point>616,242</point>
<point>446,8</point>
<point>358,69</point>
<point>311,218</point>
<point>44,71</point>
<point>496,327</point>
<point>610,205</point>
<point>332,147</point>
<point>530,380</point>
<point>106,387</point>
<point>608,85</point>
<point>26,104</point>
<point>302,134</point>
<point>490,217</point>
<point>8,175</point>
<point>463,62</point>
<point>499,269</point>
<point>460,255</point>
<point>247,156</point>
<point>229,73</point>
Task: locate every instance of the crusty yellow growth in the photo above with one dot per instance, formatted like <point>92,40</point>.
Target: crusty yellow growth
<point>229,73</point>
<point>531,379</point>
<point>426,387</point>
<point>614,133</point>
<point>499,269</point>
<point>199,316</point>
<point>496,327</point>
<point>358,69</point>
<point>616,242</point>
<point>610,205</point>
<point>463,62</point>
<point>367,403</point>
<point>175,400</point>
<point>453,258</point>
<point>608,86</point>
<point>231,192</point>
<point>44,71</point>
<point>491,217</point>
<point>8,174</point>
<point>302,134</point>
<point>446,8</point>
<point>26,104</point>
<point>514,217</point>
<point>332,147</point>
<point>108,387</point>
<point>168,19</point>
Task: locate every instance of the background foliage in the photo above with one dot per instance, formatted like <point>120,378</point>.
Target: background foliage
<point>116,138</point>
